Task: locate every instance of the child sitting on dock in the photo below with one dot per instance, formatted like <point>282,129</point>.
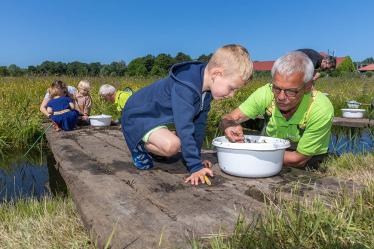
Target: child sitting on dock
<point>83,100</point>
<point>182,99</point>
<point>61,107</point>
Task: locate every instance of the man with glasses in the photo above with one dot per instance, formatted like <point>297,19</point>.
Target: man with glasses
<point>292,111</point>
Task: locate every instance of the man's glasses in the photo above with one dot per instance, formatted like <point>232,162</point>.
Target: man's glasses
<point>290,93</point>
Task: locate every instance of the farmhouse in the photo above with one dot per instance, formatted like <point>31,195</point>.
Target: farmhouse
<point>368,68</point>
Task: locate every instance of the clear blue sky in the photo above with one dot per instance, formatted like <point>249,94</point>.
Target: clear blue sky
<point>107,30</point>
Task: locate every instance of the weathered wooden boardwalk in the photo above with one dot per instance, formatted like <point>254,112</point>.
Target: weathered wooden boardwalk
<point>155,208</point>
<point>353,122</point>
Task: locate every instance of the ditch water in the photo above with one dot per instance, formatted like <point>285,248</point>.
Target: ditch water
<point>36,175</point>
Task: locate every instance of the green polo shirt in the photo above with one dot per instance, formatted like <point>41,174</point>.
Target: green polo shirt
<point>121,99</point>
<point>316,137</point>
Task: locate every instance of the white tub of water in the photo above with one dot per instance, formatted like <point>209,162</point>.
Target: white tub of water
<point>260,156</point>
<point>100,120</point>
<point>353,113</point>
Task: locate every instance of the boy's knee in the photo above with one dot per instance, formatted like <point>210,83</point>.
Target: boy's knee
<point>172,147</point>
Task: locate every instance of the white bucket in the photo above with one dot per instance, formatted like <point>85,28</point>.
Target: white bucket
<point>262,157</point>
<point>353,113</point>
<point>353,104</point>
<point>100,120</point>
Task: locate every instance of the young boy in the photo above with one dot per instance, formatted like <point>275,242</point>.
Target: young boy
<point>183,98</point>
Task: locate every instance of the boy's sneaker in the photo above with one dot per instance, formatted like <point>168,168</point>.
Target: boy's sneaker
<point>141,158</point>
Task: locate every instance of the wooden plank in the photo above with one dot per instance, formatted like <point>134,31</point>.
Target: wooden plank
<point>347,122</point>
<point>353,122</point>
<point>155,208</point>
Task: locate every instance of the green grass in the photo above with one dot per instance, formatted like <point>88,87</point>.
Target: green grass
<point>20,117</point>
<point>351,167</point>
<point>48,223</point>
<point>345,222</point>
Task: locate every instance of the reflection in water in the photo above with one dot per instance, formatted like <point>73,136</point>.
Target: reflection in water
<point>32,177</point>
<point>354,141</point>
<point>23,181</point>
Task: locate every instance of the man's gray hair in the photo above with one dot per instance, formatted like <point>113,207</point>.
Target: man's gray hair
<point>106,90</point>
<point>294,62</point>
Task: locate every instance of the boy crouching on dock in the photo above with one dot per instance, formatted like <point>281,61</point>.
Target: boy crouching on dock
<point>182,99</point>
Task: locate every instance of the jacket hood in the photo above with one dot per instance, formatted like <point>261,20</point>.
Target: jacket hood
<point>189,73</point>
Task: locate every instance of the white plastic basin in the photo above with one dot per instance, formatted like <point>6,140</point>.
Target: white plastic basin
<point>262,157</point>
<point>353,104</point>
<point>100,120</point>
<point>353,113</point>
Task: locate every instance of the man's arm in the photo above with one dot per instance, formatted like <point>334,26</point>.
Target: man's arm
<point>236,115</point>
<point>295,159</point>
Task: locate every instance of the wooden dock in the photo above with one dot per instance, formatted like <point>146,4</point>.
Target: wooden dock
<point>353,122</point>
<point>155,208</point>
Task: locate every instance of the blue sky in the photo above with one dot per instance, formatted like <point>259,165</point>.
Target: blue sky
<point>106,31</point>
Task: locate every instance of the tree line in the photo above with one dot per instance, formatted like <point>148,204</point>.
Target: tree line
<point>148,65</point>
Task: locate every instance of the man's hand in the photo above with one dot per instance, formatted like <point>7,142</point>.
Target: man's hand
<point>235,134</point>
<point>194,178</point>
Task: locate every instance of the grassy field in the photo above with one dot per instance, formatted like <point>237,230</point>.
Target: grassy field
<point>20,118</point>
<point>53,223</point>
<point>48,223</point>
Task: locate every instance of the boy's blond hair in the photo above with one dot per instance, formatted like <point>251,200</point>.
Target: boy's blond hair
<point>234,59</point>
<point>84,84</point>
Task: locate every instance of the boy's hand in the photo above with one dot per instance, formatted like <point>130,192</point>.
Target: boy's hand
<point>235,134</point>
<point>194,178</point>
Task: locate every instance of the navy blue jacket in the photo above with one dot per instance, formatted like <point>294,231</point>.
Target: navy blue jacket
<point>176,99</point>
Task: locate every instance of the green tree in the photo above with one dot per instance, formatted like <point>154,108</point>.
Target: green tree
<point>94,69</point>
<point>346,65</point>
<point>14,70</point>
<point>148,61</point>
<point>158,71</point>
<point>4,71</point>
<point>32,70</point>
<point>368,61</point>
<point>164,61</point>
<point>77,68</point>
<point>105,70</point>
<point>137,68</point>
<point>204,58</point>
<point>180,57</point>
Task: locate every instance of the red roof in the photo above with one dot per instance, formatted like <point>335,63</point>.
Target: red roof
<point>263,65</point>
<point>369,67</point>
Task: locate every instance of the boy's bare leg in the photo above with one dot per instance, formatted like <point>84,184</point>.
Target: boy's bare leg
<point>163,142</point>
